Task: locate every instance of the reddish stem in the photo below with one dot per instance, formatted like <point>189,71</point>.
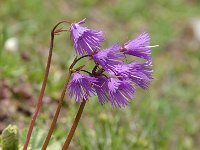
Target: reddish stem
<point>39,102</point>
<point>74,126</point>
<point>53,124</point>
<point>55,118</point>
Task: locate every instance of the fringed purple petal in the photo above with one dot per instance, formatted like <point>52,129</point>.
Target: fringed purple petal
<point>120,92</point>
<point>109,57</point>
<point>140,74</point>
<point>139,47</point>
<point>80,87</point>
<point>86,41</point>
<point>101,88</point>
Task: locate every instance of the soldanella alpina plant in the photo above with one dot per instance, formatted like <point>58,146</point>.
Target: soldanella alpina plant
<point>112,79</point>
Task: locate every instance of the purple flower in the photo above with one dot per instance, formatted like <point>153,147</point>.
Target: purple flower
<point>138,73</point>
<point>119,83</point>
<point>81,86</point>
<point>109,57</point>
<point>139,47</point>
<point>120,92</point>
<point>101,88</point>
<point>85,40</point>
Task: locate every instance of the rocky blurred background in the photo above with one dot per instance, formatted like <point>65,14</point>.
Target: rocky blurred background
<point>164,117</point>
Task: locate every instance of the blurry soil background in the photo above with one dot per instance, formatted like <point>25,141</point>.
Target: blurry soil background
<point>164,117</point>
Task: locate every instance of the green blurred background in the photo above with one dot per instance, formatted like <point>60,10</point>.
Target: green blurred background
<point>164,117</point>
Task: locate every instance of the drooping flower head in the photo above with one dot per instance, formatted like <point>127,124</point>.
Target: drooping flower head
<point>111,79</point>
<point>139,47</point>
<point>86,41</point>
<point>109,57</point>
<point>139,73</point>
<point>80,86</point>
<point>120,92</point>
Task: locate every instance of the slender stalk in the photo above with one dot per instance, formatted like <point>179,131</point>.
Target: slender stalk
<point>86,71</point>
<point>39,102</point>
<point>53,124</point>
<point>73,128</point>
<point>55,118</point>
<point>81,58</point>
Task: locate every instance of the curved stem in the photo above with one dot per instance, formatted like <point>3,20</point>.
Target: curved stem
<point>82,57</point>
<point>74,126</point>
<point>39,102</point>
<point>86,72</point>
<point>53,124</point>
<point>55,117</point>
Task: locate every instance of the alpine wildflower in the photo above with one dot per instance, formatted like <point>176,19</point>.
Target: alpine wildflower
<point>139,73</point>
<point>112,78</point>
<point>81,86</point>
<point>120,92</point>
<point>139,47</point>
<point>86,41</point>
<point>109,57</point>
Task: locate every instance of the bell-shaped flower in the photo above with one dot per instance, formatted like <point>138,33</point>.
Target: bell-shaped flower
<point>120,92</point>
<point>109,57</point>
<point>81,86</point>
<point>139,47</point>
<point>86,41</point>
<point>139,73</point>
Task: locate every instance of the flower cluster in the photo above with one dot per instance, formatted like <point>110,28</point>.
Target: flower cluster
<point>112,79</point>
